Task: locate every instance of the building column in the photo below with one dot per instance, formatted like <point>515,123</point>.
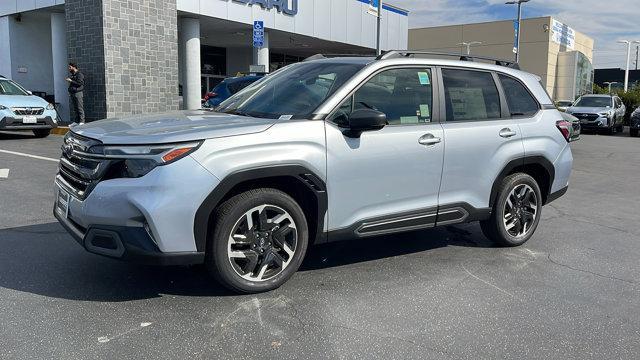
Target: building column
<point>60,72</point>
<point>261,55</point>
<point>191,77</point>
<point>5,45</point>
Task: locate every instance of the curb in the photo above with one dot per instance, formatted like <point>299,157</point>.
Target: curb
<point>61,130</point>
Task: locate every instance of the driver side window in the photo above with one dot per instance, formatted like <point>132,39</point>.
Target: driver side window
<point>404,95</point>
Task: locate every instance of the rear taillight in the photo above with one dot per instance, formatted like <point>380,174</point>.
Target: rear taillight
<point>565,128</point>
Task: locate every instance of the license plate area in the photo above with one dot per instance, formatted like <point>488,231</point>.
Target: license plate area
<point>29,120</point>
<point>62,202</point>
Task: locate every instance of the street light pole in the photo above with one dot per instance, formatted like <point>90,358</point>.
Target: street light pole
<point>637,48</point>
<point>519,3</point>
<point>626,72</point>
<point>378,50</point>
<point>609,85</point>
<point>469,45</point>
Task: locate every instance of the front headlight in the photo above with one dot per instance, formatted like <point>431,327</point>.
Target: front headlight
<point>50,107</point>
<point>606,114</point>
<point>138,160</point>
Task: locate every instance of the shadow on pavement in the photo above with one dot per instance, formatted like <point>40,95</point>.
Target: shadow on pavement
<point>44,260</point>
<point>18,135</point>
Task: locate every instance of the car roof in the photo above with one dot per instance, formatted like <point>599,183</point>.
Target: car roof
<point>598,95</point>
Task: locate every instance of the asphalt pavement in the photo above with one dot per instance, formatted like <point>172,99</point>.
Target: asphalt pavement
<point>572,292</point>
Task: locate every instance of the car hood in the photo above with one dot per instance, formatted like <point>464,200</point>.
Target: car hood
<point>588,110</point>
<point>22,101</point>
<point>171,127</point>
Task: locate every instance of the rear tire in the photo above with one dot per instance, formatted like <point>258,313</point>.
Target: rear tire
<point>516,211</point>
<point>259,241</point>
<point>633,132</point>
<point>41,133</point>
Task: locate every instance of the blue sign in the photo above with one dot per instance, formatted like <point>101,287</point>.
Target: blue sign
<point>258,34</point>
<point>516,26</point>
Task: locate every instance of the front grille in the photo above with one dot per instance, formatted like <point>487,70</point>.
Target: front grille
<point>28,111</point>
<point>78,171</point>
<point>588,117</point>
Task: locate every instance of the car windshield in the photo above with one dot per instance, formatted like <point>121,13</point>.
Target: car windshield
<point>293,92</point>
<point>594,101</point>
<point>8,87</point>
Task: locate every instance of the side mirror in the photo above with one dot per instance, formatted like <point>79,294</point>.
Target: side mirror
<point>366,120</point>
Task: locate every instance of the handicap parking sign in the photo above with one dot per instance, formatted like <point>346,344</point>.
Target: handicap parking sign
<point>258,34</point>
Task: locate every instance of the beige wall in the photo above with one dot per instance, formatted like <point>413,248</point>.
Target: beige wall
<point>538,53</point>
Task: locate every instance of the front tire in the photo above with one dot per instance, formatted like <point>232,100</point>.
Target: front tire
<point>259,241</point>
<point>516,211</point>
<point>41,133</point>
<point>633,132</point>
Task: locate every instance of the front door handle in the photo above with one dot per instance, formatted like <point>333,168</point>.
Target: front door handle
<point>429,139</point>
<point>507,133</point>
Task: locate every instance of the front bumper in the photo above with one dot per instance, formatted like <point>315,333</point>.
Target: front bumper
<point>635,122</point>
<point>152,217</point>
<point>132,244</point>
<point>601,122</point>
<point>15,123</point>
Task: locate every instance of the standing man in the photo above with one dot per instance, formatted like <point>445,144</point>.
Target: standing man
<point>76,86</point>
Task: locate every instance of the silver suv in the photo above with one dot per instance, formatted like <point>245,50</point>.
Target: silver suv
<point>323,150</point>
<point>599,112</point>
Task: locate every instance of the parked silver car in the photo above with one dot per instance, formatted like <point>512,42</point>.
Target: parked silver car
<point>563,105</point>
<point>319,151</point>
<point>599,112</point>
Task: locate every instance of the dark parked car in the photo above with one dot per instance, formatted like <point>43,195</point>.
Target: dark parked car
<point>228,87</point>
<point>634,124</point>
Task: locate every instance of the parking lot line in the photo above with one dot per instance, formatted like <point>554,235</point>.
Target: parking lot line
<point>28,155</point>
<point>4,173</point>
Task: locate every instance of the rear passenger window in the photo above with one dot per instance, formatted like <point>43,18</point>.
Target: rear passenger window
<point>470,95</point>
<point>520,101</point>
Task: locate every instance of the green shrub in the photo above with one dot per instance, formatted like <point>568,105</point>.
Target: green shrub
<point>631,100</point>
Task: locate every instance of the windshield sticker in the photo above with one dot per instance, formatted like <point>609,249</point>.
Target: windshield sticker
<point>285,117</point>
<point>424,78</point>
<point>424,111</point>
<point>409,120</point>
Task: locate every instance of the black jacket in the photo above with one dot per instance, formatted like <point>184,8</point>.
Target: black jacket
<point>77,83</point>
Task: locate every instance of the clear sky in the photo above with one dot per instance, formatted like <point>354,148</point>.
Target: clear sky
<point>604,20</point>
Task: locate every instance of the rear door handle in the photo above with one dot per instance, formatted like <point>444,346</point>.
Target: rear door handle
<point>429,139</point>
<point>507,133</point>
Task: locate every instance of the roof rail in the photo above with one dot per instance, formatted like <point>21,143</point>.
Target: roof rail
<point>394,54</point>
<point>328,56</point>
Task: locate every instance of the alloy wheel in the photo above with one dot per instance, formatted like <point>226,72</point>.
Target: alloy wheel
<point>262,243</point>
<point>520,210</point>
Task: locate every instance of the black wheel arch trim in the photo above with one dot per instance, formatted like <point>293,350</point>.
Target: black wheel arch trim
<point>522,163</point>
<point>306,177</point>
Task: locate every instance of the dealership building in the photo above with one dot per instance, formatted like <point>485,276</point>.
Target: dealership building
<point>142,56</point>
<point>549,48</point>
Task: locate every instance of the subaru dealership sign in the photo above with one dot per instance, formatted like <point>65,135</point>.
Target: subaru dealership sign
<point>288,7</point>
<point>563,35</point>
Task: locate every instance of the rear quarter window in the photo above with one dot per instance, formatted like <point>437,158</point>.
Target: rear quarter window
<point>519,99</point>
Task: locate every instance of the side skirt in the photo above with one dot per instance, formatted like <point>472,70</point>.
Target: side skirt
<point>411,221</point>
